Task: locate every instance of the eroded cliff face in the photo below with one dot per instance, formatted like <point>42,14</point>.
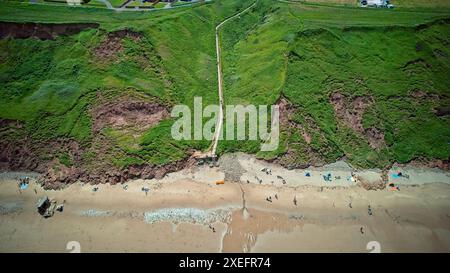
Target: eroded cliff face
<point>41,31</point>
<point>26,154</point>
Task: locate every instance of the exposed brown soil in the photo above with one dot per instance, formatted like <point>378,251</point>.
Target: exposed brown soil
<point>375,137</point>
<point>10,123</point>
<point>441,106</point>
<point>290,158</point>
<point>433,163</point>
<point>41,31</point>
<point>443,111</point>
<point>420,95</point>
<point>287,110</point>
<point>137,114</point>
<point>113,44</point>
<point>24,154</point>
<point>350,112</point>
<point>59,175</point>
<point>18,155</point>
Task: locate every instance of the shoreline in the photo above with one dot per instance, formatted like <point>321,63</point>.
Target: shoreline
<point>187,211</point>
<point>269,227</point>
<point>418,174</point>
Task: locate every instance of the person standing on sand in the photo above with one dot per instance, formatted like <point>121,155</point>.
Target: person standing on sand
<point>212,228</point>
<point>361,230</point>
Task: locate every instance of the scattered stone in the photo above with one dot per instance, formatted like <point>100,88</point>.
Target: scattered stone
<point>231,167</point>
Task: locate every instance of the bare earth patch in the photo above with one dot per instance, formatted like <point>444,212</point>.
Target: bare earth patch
<point>350,112</point>
<point>113,44</point>
<point>287,110</point>
<point>121,115</point>
<point>40,30</point>
<point>291,157</point>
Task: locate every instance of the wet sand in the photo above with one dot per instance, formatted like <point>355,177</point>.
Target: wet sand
<point>188,212</point>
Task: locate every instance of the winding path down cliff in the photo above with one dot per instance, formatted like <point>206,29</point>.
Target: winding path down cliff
<point>212,151</point>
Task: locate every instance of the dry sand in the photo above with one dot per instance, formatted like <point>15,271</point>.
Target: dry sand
<point>187,212</point>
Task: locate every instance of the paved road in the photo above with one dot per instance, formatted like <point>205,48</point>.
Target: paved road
<point>107,4</point>
<point>124,8</point>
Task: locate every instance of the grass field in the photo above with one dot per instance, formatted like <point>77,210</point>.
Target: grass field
<point>398,59</point>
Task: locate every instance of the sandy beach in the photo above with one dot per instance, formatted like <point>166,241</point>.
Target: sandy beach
<point>187,211</point>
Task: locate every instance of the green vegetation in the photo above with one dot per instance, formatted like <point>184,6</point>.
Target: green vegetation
<point>54,86</point>
<point>65,159</point>
<point>303,53</point>
<point>116,3</point>
<point>397,3</point>
<point>160,5</point>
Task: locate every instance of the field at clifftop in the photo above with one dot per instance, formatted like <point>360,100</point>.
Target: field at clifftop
<point>90,99</point>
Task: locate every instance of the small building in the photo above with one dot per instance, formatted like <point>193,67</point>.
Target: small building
<point>376,3</point>
<point>73,2</point>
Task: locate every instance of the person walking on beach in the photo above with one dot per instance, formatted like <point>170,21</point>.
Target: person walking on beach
<point>369,210</point>
<point>212,228</point>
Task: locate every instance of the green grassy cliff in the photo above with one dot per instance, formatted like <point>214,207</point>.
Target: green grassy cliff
<point>367,85</point>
